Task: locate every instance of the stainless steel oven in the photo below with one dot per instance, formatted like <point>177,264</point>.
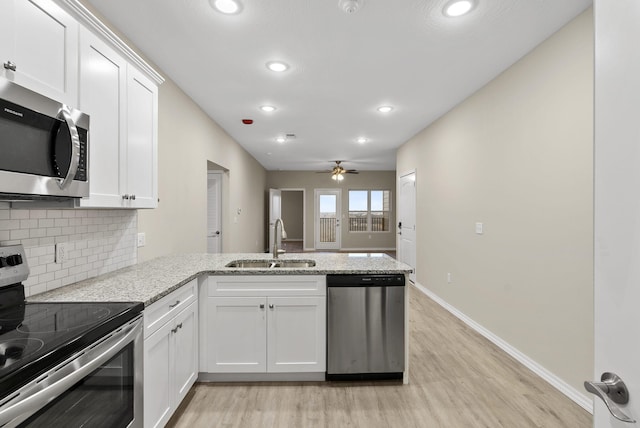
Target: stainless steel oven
<point>44,146</point>
<point>67,364</point>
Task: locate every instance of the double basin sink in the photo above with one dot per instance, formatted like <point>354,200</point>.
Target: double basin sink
<point>271,264</point>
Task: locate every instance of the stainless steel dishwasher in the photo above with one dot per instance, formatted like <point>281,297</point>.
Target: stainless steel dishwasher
<point>365,327</point>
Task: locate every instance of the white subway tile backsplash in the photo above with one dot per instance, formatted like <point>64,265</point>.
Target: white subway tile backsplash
<point>19,214</point>
<point>98,242</point>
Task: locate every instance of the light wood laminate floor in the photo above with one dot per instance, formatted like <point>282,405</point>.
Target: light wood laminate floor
<point>457,379</point>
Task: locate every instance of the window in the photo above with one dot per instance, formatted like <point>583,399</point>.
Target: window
<point>369,210</point>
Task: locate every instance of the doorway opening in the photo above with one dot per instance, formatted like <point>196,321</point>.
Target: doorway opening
<point>289,206</point>
<point>293,215</point>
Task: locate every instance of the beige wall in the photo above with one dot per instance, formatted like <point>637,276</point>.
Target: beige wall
<point>517,156</point>
<point>187,140</point>
<point>378,180</point>
<point>293,213</point>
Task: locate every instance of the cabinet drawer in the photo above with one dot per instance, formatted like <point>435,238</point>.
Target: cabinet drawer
<point>267,285</point>
<point>156,315</point>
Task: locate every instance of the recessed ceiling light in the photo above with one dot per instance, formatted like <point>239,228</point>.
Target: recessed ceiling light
<point>458,8</point>
<point>385,109</point>
<point>362,140</point>
<point>228,7</point>
<point>277,66</point>
<point>268,109</point>
<point>281,139</point>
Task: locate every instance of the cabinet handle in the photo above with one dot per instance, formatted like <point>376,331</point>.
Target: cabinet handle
<point>175,304</point>
<point>261,305</point>
<point>133,197</point>
<point>179,325</point>
<point>270,305</point>
<point>9,65</point>
<point>174,330</point>
<point>125,196</point>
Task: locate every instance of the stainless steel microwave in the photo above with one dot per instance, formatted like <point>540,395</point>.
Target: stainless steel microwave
<point>44,147</point>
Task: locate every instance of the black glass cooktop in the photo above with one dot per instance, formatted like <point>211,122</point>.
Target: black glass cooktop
<point>34,337</point>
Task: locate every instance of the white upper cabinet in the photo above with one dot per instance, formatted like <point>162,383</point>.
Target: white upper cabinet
<point>142,144</point>
<point>39,48</point>
<point>103,82</point>
<point>122,103</point>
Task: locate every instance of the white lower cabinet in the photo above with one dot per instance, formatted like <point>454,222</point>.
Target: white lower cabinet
<point>170,353</point>
<point>264,324</point>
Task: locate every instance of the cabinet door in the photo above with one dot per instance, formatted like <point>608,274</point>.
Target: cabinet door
<point>296,336</point>
<point>185,341</point>
<point>103,75</point>
<point>142,146</point>
<point>41,40</point>
<point>236,335</point>
<point>158,377</point>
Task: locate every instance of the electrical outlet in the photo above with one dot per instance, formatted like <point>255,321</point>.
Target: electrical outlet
<point>479,228</point>
<point>61,252</point>
<point>142,240</point>
<point>448,277</point>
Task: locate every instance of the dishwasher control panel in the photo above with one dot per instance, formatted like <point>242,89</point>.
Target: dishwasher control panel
<point>365,280</point>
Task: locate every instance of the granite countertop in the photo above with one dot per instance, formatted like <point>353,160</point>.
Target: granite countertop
<point>149,281</point>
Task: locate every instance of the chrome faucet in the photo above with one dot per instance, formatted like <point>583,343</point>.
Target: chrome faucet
<point>276,251</point>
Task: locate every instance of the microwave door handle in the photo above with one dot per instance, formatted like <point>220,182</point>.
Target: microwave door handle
<point>25,408</point>
<point>65,114</point>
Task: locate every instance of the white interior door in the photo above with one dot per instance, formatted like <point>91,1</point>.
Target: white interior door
<point>617,202</point>
<point>327,219</point>
<point>407,222</point>
<point>214,212</point>
<point>275,212</point>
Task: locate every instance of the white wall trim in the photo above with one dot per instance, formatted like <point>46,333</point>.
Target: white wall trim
<point>572,393</point>
<point>82,14</point>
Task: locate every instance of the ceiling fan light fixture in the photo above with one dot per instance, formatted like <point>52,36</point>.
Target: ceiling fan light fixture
<point>277,66</point>
<point>456,8</point>
<point>349,6</point>
<point>228,7</point>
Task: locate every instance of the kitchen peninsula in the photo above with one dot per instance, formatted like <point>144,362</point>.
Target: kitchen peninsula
<point>263,320</point>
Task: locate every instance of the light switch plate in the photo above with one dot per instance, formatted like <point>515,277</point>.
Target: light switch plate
<point>479,228</point>
<point>142,240</point>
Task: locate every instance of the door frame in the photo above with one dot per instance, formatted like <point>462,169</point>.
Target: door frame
<point>316,219</point>
<point>219,175</point>
<point>272,218</point>
<point>399,215</point>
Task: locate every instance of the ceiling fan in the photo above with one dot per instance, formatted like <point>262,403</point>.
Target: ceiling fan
<point>337,172</point>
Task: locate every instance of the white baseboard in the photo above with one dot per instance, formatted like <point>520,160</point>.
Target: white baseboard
<point>572,393</point>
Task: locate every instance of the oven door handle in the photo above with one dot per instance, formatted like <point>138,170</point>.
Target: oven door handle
<point>65,114</point>
<point>31,404</point>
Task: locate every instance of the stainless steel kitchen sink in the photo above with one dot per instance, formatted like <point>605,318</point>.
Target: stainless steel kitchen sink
<point>270,264</point>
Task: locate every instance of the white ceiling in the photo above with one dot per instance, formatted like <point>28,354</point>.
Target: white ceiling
<point>404,53</point>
